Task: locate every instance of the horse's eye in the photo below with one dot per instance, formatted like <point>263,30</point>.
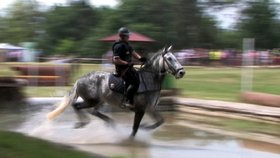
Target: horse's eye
<point>169,58</point>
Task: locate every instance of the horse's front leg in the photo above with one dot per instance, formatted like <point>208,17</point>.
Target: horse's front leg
<point>156,116</point>
<point>105,118</point>
<point>137,119</point>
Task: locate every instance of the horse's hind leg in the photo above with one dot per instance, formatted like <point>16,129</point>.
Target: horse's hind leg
<point>107,119</point>
<point>82,117</point>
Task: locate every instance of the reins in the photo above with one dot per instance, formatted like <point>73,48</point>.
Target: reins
<point>173,70</point>
<point>161,73</point>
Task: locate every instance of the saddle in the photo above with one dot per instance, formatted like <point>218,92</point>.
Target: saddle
<point>117,84</point>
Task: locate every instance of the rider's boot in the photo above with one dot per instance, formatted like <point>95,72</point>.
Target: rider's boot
<point>128,105</point>
<point>129,95</point>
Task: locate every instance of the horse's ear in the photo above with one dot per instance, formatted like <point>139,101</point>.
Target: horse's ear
<point>169,48</point>
<point>164,51</point>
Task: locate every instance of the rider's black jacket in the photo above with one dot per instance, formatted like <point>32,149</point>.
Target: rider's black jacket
<point>129,74</point>
<point>124,51</point>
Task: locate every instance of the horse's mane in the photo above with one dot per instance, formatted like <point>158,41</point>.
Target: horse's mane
<point>151,62</point>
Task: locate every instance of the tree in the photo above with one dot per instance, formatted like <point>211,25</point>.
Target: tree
<point>110,21</point>
<point>259,21</point>
<point>152,19</point>
<point>76,27</point>
<point>65,46</point>
<point>180,23</point>
<point>193,27</point>
<point>145,22</point>
<point>68,22</point>
<point>22,22</point>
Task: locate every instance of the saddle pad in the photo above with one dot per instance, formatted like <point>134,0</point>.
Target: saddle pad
<point>117,84</point>
<point>148,82</point>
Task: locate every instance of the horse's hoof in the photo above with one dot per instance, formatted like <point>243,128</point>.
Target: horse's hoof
<point>144,126</point>
<point>128,108</point>
<point>80,124</point>
<point>131,137</point>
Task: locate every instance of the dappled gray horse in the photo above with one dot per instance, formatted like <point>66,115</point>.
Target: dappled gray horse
<point>96,88</point>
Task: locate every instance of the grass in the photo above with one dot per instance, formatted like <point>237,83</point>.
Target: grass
<point>224,83</point>
<point>211,83</point>
<point>15,145</point>
<point>200,82</point>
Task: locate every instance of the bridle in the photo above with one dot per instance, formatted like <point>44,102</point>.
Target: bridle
<point>170,69</point>
<point>163,63</point>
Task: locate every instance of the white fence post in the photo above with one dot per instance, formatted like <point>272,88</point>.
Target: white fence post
<point>247,64</point>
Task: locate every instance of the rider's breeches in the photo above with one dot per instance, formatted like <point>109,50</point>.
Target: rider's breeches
<point>132,82</point>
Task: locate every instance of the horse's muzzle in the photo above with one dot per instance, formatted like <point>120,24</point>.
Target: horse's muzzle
<point>180,73</point>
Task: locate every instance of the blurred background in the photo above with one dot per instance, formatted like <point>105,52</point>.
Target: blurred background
<point>204,33</point>
<point>228,47</point>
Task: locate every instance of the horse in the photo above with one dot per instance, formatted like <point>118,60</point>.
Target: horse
<point>94,89</point>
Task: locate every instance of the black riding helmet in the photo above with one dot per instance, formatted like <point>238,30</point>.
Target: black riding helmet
<point>123,31</point>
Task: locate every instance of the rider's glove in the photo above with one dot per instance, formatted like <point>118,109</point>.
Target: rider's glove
<point>143,59</point>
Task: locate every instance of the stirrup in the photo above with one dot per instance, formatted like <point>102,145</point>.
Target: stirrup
<point>127,105</point>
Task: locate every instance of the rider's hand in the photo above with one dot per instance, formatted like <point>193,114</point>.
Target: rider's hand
<point>130,64</point>
<point>143,59</point>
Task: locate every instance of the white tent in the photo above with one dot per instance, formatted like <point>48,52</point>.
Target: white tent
<point>7,46</point>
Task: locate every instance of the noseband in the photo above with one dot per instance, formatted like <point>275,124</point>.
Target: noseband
<point>162,67</point>
<point>171,68</point>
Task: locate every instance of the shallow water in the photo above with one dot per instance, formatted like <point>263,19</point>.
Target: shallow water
<point>170,140</point>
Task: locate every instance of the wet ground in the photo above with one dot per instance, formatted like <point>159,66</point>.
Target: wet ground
<point>173,139</point>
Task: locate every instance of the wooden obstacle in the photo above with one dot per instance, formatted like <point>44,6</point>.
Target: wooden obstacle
<point>167,101</point>
<point>11,89</point>
<point>261,98</point>
<point>229,108</point>
<point>44,75</point>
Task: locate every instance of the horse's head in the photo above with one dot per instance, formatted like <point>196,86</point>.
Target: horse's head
<point>170,64</point>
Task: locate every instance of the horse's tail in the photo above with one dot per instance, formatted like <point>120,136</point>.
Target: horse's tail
<point>67,100</point>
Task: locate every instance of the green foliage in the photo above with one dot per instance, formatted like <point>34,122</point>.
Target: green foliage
<point>76,28</point>
<point>68,22</point>
<point>22,23</point>
<point>259,22</point>
<point>14,145</point>
<point>180,23</point>
<point>229,39</point>
<point>65,46</point>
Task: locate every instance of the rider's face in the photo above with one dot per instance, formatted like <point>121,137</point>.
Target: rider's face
<point>125,38</point>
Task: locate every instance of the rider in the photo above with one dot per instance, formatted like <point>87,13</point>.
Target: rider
<point>122,58</point>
